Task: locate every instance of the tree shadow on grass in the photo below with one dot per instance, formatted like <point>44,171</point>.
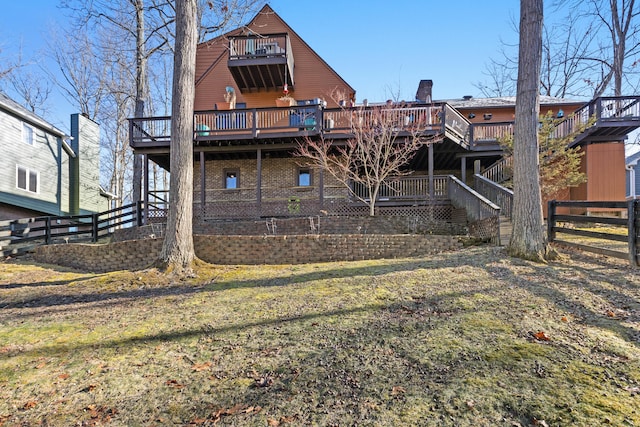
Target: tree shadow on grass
<point>545,286</point>
<point>385,267</point>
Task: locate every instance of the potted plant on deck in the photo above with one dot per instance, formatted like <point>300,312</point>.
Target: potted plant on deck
<point>285,100</point>
<point>229,100</point>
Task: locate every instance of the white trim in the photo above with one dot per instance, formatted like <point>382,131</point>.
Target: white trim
<point>26,126</point>
<point>28,174</point>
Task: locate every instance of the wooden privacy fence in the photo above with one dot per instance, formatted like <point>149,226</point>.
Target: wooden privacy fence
<point>622,245</point>
<point>22,235</point>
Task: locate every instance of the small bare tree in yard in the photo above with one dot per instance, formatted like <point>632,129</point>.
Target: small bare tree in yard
<point>384,141</point>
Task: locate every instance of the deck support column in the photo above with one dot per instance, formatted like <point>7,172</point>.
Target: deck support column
<point>259,181</point>
<point>431,189</point>
<point>145,218</point>
<point>203,186</point>
<point>321,186</point>
<point>463,170</point>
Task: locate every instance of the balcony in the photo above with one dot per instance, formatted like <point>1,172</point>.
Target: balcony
<point>261,62</point>
<point>266,125</point>
<point>614,118</point>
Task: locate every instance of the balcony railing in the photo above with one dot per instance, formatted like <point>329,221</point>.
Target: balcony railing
<point>405,188</point>
<point>619,111</point>
<point>261,61</point>
<point>295,121</point>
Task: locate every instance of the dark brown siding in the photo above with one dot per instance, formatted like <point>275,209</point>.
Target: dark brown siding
<point>314,78</point>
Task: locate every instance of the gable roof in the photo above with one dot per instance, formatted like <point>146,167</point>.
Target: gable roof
<point>215,43</point>
<point>12,107</point>
<point>633,159</point>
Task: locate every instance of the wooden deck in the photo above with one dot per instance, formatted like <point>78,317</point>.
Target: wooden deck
<point>614,118</point>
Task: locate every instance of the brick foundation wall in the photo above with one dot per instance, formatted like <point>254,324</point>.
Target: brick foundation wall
<point>140,254</point>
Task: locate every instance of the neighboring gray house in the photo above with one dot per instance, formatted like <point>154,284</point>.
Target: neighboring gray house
<point>43,171</point>
<point>633,175</point>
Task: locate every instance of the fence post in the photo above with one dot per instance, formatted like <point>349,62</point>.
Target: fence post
<point>47,230</point>
<point>551,220</point>
<point>139,213</point>
<point>632,232</point>
<point>94,227</point>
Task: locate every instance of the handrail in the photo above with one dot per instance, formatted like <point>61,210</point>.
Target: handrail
<point>495,192</point>
<point>477,206</point>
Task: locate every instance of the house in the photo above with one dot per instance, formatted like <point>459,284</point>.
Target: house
<point>243,139</point>
<point>43,171</point>
<point>632,167</point>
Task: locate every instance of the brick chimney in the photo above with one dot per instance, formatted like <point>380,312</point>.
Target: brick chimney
<point>424,91</point>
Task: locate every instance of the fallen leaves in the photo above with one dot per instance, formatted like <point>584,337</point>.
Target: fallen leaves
<point>29,405</point>
<point>174,384</point>
<point>541,336</point>
<point>199,367</point>
<point>272,422</point>
<point>234,410</point>
<point>398,390</point>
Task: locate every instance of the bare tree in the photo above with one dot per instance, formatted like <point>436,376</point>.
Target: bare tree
<point>178,253</point>
<point>591,50</point>
<point>33,90</point>
<point>619,41</point>
<point>527,239</point>
<point>384,141</point>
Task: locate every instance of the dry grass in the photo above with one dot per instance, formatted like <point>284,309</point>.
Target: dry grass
<point>466,338</point>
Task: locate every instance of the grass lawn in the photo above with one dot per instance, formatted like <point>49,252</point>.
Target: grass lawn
<point>471,338</point>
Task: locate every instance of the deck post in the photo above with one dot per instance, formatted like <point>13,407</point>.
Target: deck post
<point>321,187</point>
<point>94,227</point>
<point>551,220</point>
<point>146,189</point>
<point>47,230</point>
<point>463,169</point>
<point>431,188</point>
<point>259,181</point>
<point>203,186</point>
<point>633,232</point>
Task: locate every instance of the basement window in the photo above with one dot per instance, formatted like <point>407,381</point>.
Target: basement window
<point>304,177</point>
<point>231,179</point>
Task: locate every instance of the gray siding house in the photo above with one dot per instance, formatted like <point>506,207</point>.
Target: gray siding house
<point>633,175</point>
<point>43,171</point>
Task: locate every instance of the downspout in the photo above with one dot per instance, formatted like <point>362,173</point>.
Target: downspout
<point>632,179</point>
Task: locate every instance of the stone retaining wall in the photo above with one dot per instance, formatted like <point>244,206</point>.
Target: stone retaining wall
<point>140,254</point>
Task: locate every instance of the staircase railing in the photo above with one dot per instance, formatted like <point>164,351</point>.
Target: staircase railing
<point>495,192</point>
<point>484,215</point>
<point>500,171</point>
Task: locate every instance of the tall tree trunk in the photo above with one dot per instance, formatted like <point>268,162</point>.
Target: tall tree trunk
<point>528,240</point>
<point>177,251</point>
<point>141,85</point>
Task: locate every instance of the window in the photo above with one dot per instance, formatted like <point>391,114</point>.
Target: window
<point>231,179</point>
<point>27,179</point>
<point>304,177</point>
<point>28,134</point>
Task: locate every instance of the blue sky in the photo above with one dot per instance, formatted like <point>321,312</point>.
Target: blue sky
<point>381,48</point>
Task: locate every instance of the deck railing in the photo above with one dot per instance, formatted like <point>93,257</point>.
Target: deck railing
<point>298,120</point>
<point>495,192</point>
<point>477,206</point>
<point>490,133</point>
<point>270,45</point>
<point>405,188</point>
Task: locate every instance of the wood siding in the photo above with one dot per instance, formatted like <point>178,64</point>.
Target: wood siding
<point>45,156</point>
<point>314,78</point>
